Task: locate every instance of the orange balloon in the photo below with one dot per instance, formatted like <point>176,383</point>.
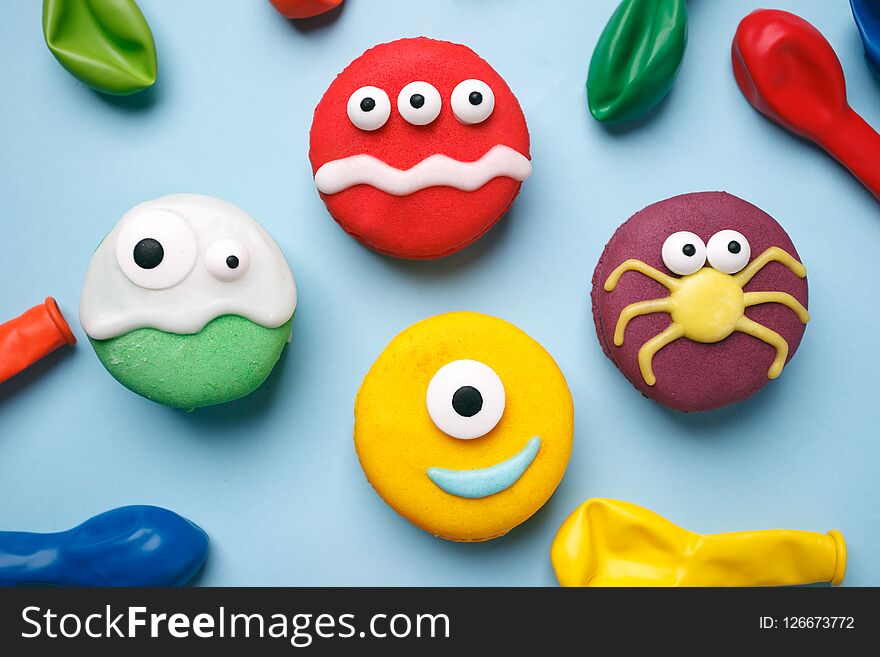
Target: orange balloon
<point>31,336</point>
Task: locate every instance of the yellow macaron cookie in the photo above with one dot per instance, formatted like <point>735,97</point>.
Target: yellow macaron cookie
<point>464,426</point>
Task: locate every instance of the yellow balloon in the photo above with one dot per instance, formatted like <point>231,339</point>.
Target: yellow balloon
<point>613,543</point>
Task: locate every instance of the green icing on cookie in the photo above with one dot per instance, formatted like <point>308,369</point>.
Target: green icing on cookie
<point>228,359</point>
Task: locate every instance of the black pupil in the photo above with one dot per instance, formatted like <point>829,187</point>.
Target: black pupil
<point>417,100</point>
<point>475,98</point>
<point>148,253</point>
<point>232,262</point>
<point>467,401</point>
<point>368,104</point>
<point>734,247</point>
<point>689,250</point>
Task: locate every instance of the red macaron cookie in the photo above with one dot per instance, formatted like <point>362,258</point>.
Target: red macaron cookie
<point>418,148</point>
<point>700,300</point>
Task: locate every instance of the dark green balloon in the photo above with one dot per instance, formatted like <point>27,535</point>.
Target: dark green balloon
<point>637,58</point>
<point>106,44</point>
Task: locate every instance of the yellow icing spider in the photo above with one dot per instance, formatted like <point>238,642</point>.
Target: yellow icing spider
<point>707,304</point>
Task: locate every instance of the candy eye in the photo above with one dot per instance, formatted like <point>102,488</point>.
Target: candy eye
<point>684,253</point>
<point>419,103</point>
<point>728,251</point>
<point>227,260</point>
<point>369,108</point>
<point>465,399</point>
<point>472,101</point>
<point>156,249</point>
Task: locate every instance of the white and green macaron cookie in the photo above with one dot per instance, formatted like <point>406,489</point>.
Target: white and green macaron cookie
<point>188,301</point>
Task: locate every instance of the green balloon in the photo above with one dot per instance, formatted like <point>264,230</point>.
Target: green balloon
<point>106,44</point>
<point>637,58</point>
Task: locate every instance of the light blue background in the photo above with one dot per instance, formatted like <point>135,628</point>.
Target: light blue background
<point>274,478</point>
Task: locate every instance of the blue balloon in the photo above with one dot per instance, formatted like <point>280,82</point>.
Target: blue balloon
<point>867,15</point>
<point>129,546</point>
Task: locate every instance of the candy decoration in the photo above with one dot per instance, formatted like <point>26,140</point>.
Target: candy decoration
<point>707,305</point>
<point>31,336</point>
<point>789,72</point>
<point>188,301</point>
<point>637,58</point>
<point>418,148</point>
<point>464,426</point>
<point>304,8</point>
<point>106,44</point>
<point>128,546</point>
<point>613,543</point>
<point>867,16</point>
<point>700,300</point>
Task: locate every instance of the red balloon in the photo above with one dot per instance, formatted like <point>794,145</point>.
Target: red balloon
<point>304,8</point>
<point>790,73</point>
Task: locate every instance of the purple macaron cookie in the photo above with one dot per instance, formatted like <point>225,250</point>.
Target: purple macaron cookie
<point>700,300</point>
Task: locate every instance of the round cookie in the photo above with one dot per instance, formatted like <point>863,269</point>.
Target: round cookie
<point>418,148</point>
<point>464,426</point>
<point>188,301</point>
<point>700,300</point>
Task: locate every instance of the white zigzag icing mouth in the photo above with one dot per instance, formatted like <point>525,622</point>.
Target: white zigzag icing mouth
<point>434,171</point>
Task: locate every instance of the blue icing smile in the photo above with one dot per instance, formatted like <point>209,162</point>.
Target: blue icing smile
<point>484,482</point>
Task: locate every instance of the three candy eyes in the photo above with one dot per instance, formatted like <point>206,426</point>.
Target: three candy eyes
<point>157,250</point>
<point>685,253</point>
<point>465,399</point>
<point>419,103</point>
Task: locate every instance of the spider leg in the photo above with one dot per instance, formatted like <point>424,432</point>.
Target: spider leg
<point>755,298</point>
<point>746,325</point>
<point>773,254</point>
<point>636,309</point>
<point>643,268</point>
<point>646,354</point>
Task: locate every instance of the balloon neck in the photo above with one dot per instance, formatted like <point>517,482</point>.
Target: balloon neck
<point>856,145</point>
<point>840,558</point>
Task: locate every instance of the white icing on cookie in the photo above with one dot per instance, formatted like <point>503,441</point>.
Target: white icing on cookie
<point>119,296</point>
<point>434,171</point>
